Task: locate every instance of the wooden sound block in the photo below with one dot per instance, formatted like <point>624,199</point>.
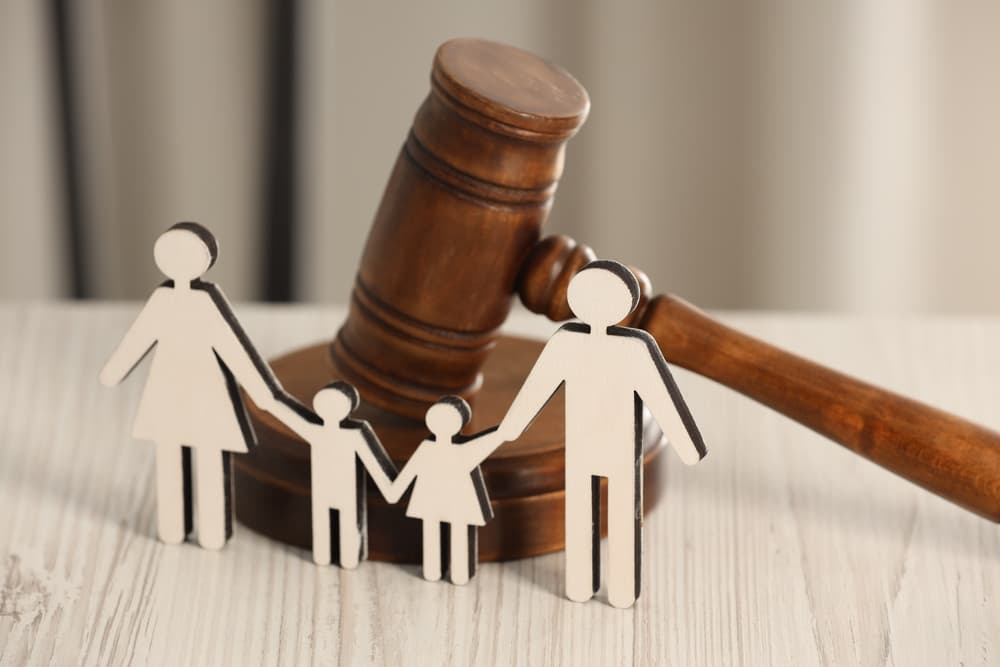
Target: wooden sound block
<point>524,478</point>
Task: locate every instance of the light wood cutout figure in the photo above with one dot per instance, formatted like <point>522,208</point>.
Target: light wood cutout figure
<point>191,400</point>
<point>609,373</point>
<point>448,489</point>
<point>342,450</point>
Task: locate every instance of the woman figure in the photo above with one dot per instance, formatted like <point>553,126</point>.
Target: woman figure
<point>449,488</point>
<point>191,399</point>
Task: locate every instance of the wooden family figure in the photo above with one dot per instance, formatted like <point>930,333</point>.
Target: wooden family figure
<point>192,403</point>
<point>343,453</point>
<point>448,490</point>
<point>609,373</point>
<point>449,494</point>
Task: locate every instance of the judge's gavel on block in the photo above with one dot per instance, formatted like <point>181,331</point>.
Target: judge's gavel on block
<point>455,238</point>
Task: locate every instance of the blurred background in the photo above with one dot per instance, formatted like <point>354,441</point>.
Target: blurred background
<point>781,154</point>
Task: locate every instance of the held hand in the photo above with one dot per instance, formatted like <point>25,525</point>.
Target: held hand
<point>393,493</point>
<point>507,433</point>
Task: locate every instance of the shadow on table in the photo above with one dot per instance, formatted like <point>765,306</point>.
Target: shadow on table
<point>77,485</point>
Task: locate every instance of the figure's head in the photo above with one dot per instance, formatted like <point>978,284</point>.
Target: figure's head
<point>603,293</point>
<point>335,402</point>
<point>447,417</point>
<point>185,252</point>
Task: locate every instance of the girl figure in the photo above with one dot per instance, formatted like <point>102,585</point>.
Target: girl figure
<point>449,488</point>
<point>192,399</point>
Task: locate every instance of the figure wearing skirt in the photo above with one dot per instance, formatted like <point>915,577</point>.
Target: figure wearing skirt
<point>448,489</point>
<point>191,403</point>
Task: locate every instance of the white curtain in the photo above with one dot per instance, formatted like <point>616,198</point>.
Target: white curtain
<point>768,154</point>
<point>171,96</point>
<point>773,154</point>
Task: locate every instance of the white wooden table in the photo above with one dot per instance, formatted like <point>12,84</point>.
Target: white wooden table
<point>779,549</point>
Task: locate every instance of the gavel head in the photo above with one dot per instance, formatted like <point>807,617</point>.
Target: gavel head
<point>462,211</point>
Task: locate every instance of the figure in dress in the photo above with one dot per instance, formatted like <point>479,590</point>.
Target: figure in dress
<point>448,489</point>
<point>344,452</point>
<point>609,373</point>
<point>191,401</point>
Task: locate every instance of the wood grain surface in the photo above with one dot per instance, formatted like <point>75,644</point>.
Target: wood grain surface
<point>778,550</point>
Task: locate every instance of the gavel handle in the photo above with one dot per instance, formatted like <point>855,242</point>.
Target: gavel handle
<point>952,457</point>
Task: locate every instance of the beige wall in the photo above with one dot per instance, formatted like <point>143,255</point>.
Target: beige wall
<point>30,252</point>
<point>771,154</point>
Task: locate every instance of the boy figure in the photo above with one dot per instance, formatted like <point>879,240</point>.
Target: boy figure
<point>342,450</point>
<point>610,372</point>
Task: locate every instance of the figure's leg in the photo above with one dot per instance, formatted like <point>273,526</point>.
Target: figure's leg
<point>173,492</point>
<point>215,521</point>
<point>432,550</point>
<point>624,538</point>
<point>322,520</point>
<point>583,536</point>
<point>462,562</point>
<point>187,457</point>
<point>473,543</point>
<point>361,503</point>
<point>350,538</point>
<point>444,548</point>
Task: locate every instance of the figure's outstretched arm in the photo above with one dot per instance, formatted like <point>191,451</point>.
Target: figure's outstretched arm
<point>545,378</point>
<point>137,342</point>
<point>479,446</point>
<point>307,427</point>
<point>233,346</point>
<point>660,394</point>
<point>376,461</point>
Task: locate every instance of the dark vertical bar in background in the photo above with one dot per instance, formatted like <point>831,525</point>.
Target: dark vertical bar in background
<point>61,32</point>
<point>279,224</point>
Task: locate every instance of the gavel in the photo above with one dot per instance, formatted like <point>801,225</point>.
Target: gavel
<point>456,237</point>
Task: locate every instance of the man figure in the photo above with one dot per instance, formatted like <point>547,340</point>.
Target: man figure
<point>609,372</point>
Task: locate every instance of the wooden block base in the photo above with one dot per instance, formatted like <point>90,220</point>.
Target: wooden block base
<point>525,478</point>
